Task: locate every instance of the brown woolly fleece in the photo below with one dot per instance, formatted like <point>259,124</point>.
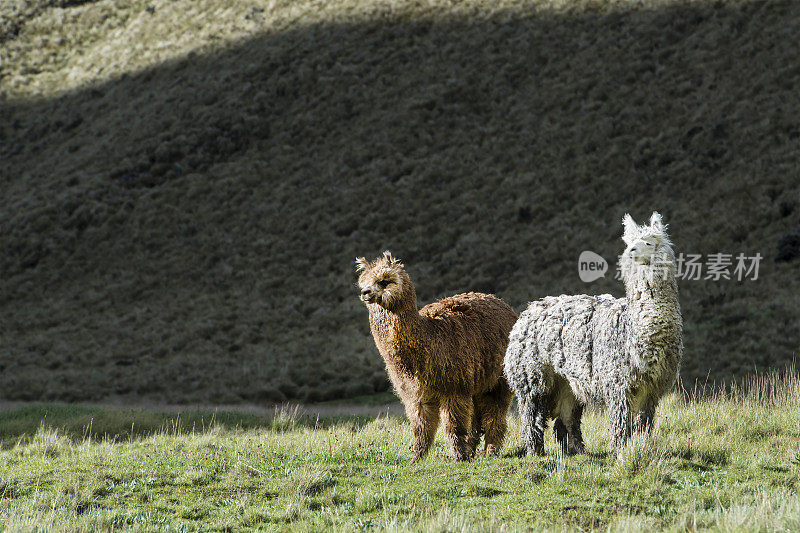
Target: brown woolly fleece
<point>445,359</point>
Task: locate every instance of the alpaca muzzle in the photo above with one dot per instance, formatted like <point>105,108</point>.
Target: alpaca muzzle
<point>367,296</point>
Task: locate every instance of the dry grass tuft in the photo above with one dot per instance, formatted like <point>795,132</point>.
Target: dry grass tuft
<point>641,456</point>
<point>286,417</point>
<point>46,442</point>
<point>773,387</point>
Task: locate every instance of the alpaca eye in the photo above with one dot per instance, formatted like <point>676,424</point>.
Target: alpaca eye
<point>383,283</point>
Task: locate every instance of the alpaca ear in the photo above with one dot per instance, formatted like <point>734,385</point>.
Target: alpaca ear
<point>630,229</point>
<point>361,264</point>
<point>392,260</point>
<point>656,224</point>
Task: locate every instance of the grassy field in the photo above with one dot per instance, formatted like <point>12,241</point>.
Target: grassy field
<point>185,183</point>
<point>727,463</point>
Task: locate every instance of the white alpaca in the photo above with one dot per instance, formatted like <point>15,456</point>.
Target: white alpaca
<point>567,351</point>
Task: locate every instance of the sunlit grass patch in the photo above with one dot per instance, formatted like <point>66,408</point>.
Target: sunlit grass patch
<point>715,463</point>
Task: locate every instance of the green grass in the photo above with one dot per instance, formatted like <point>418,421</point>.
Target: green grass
<point>184,184</point>
<point>714,464</point>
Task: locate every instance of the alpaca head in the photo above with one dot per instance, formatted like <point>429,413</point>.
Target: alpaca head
<point>382,281</point>
<point>648,247</point>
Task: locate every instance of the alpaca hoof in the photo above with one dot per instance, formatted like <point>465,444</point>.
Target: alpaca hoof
<point>461,457</point>
<point>518,452</point>
<point>576,449</point>
<point>491,449</point>
<point>535,451</point>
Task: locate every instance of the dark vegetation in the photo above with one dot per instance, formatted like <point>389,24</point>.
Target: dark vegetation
<point>184,229</point>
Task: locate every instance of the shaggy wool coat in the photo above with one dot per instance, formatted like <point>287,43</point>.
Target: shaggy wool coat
<point>445,360</point>
<point>567,351</point>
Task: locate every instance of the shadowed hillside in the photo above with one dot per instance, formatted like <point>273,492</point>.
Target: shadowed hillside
<point>184,185</point>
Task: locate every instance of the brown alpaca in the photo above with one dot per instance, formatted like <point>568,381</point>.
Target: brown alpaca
<point>446,357</point>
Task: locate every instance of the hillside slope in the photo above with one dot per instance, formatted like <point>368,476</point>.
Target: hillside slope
<point>184,185</point>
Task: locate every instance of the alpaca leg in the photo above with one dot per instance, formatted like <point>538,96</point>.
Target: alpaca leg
<point>476,431</point>
<point>457,418</point>
<point>534,423</point>
<point>494,408</point>
<point>575,435</point>
<point>620,419</point>
<point>567,428</point>
<point>560,433</point>
<point>424,419</point>
<point>643,421</point>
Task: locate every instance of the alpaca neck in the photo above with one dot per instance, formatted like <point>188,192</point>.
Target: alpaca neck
<point>654,315</point>
<point>650,287</point>
<point>398,331</point>
<point>658,295</point>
